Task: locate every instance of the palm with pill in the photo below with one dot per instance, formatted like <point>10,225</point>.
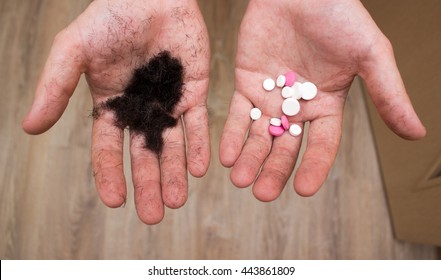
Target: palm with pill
<point>107,42</point>
<point>327,43</point>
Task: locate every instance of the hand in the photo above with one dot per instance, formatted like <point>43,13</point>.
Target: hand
<point>327,43</point>
<point>107,42</point>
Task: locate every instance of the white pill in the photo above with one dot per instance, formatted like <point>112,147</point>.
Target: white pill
<point>290,106</point>
<point>309,90</point>
<point>276,121</point>
<point>269,84</point>
<point>295,130</point>
<point>297,90</point>
<point>255,114</point>
<point>280,82</point>
<point>287,92</point>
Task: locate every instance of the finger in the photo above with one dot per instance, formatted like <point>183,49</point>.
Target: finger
<point>174,167</point>
<point>146,181</point>
<point>254,153</point>
<point>386,88</point>
<point>277,168</point>
<point>107,159</point>
<point>198,140</point>
<point>235,130</point>
<point>56,85</point>
<point>322,146</point>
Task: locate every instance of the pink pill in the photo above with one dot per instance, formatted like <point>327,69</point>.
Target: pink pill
<point>276,130</point>
<point>291,78</point>
<point>285,122</point>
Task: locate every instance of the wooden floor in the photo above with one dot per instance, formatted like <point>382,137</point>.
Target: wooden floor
<point>49,208</point>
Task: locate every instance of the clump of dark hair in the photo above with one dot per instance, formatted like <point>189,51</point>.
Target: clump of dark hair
<point>149,100</point>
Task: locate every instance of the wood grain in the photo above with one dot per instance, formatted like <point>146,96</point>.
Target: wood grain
<point>49,208</point>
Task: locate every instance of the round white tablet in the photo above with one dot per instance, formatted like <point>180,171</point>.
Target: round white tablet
<point>297,90</point>
<point>269,84</point>
<point>287,92</point>
<point>309,90</point>
<point>295,130</point>
<point>276,121</point>
<point>255,114</point>
<point>290,106</point>
<point>280,82</point>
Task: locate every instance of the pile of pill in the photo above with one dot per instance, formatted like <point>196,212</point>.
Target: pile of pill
<point>292,92</point>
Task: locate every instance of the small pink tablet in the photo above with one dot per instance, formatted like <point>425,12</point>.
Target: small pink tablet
<point>276,130</point>
<point>291,78</point>
<point>285,122</point>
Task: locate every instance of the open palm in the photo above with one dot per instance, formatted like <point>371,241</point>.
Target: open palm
<point>327,43</point>
<point>107,42</point>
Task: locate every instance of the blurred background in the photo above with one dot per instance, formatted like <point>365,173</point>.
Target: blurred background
<point>49,208</point>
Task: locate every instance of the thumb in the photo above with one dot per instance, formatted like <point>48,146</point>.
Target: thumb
<point>56,85</point>
<point>386,88</point>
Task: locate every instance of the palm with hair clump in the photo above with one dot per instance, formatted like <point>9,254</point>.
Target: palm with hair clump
<point>327,43</point>
<point>107,42</point>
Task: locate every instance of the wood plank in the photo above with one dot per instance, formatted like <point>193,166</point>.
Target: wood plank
<point>49,208</point>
